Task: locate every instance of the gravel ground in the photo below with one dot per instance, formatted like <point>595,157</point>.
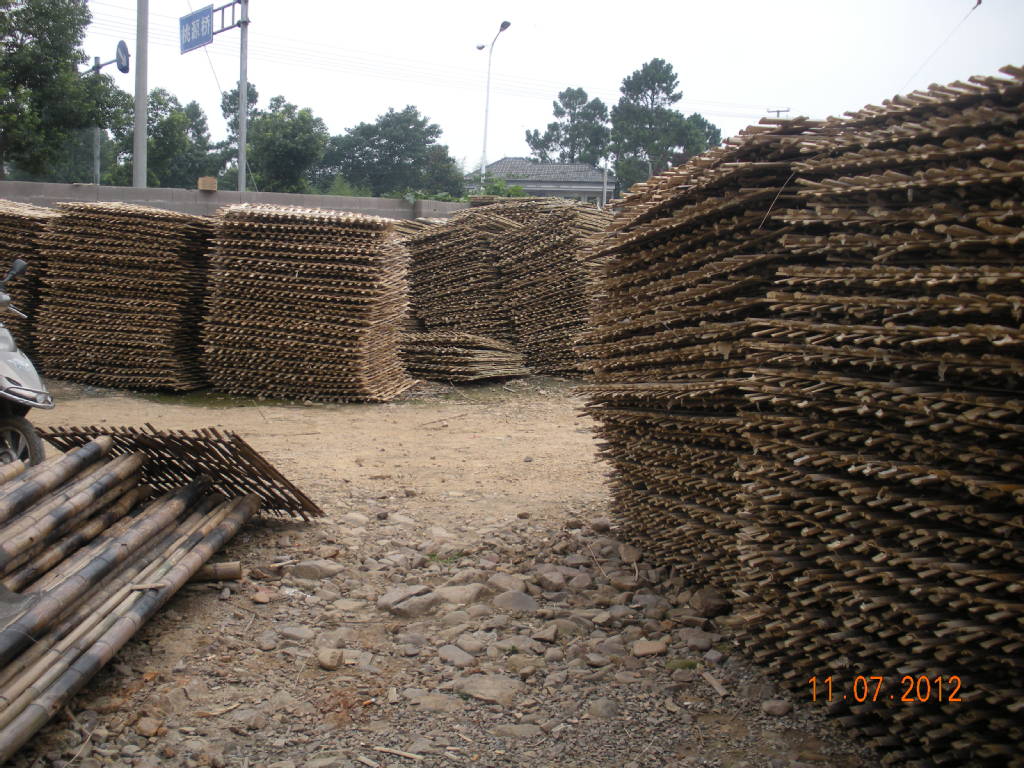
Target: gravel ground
<point>463,602</point>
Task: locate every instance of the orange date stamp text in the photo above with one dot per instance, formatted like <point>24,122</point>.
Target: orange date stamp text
<point>908,689</point>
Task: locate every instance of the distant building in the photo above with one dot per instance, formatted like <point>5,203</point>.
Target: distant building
<point>575,181</point>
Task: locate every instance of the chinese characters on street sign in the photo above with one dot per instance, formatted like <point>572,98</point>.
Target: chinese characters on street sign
<point>197,29</point>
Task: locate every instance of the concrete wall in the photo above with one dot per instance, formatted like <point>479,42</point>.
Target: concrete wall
<point>207,203</point>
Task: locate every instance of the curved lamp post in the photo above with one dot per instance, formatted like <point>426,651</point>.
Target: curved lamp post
<point>487,102</point>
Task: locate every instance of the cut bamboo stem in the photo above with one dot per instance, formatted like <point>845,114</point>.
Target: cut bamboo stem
<point>33,717</point>
<point>19,633</point>
<point>228,571</point>
<point>39,481</point>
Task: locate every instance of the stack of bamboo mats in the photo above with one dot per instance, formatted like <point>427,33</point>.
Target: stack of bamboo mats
<point>460,357</point>
<point>122,296</point>
<point>514,272</point>
<point>21,226</point>
<point>455,280</point>
<point>809,381</point>
<point>86,558</point>
<point>545,272</point>
<point>306,304</point>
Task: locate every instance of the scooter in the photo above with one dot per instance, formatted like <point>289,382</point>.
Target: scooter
<point>21,388</point>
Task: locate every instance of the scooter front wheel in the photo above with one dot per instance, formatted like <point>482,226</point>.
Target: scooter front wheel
<point>19,441</point>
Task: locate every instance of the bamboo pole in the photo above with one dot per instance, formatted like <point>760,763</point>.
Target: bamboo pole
<point>98,602</point>
<point>59,550</point>
<point>87,553</point>
<point>73,524</point>
<point>18,634</point>
<point>39,481</point>
<point>11,470</point>
<point>44,518</point>
<point>46,667</point>
<point>33,717</point>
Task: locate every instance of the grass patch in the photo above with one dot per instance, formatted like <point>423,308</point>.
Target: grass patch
<point>447,559</point>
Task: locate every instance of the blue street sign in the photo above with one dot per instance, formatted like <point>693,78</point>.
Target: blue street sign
<point>196,29</point>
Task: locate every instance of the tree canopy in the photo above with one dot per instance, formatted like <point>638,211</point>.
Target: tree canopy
<point>648,135</point>
<point>396,154</point>
<point>579,134</point>
<point>645,134</point>
<point>285,144</point>
<point>44,101</point>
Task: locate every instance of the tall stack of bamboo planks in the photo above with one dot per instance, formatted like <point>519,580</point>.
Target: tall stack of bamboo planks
<point>512,272</point>
<point>810,384</point>
<point>545,273</point>
<point>122,296</point>
<point>21,226</point>
<point>305,303</point>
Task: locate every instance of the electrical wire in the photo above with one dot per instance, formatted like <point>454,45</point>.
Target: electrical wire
<point>275,49</point>
<point>940,46</point>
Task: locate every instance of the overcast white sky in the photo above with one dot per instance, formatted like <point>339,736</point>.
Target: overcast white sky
<point>351,61</point>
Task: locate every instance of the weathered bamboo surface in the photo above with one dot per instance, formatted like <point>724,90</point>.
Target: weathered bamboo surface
<point>85,560</point>
<point>122,296</point>
<point>460,357</point>
<point>175,456</point>
<point>546,274</point>
<point>455,282</point>
<point>305,304</point>
<point>809,382</point>
<point>21,226</point>
<point>513,271</point>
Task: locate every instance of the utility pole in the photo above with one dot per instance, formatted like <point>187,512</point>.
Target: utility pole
<point>141,93</point>
<point>487,104</point>
<point>96,135</point>
<point>243,94</point>
<point>777,112</point>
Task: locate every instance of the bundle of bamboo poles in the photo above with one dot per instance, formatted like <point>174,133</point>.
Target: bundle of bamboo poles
<point>21,226</point>
<point>122,295</point>
<point>85,560</point>
<point>809,380</point>
<point>305,303</point>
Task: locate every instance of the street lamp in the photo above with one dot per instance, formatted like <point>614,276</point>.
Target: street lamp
<point>487,102</point>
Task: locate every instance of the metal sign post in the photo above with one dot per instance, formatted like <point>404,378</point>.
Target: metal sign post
<point>197,29</point>
<point>121,59</point>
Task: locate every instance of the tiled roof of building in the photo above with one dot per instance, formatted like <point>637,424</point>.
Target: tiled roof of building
<point>525,169</point>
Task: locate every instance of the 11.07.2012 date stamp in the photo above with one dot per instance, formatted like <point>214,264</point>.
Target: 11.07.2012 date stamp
<point>910,689</point>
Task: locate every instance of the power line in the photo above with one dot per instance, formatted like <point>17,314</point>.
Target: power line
<point>939,47</point>
<point>272,49</point>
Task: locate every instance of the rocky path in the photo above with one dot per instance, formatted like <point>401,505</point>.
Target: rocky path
<point>424,625</point>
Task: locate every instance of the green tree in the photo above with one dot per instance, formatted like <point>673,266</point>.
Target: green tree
<point>178,148</point>
<point>229,109</point>
<point>286,144</point>
<point>580,133</point>
<point>396,154</point>
<point>648,134</point>
<point>500,188</point>
<point>44,101</point>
